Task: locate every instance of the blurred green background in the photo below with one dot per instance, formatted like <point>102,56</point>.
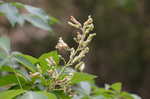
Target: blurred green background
<point>120,51</point>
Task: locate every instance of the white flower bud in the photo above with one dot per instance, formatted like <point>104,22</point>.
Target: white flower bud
<point>74,20</point>
<point>78,65</point>
<point>72,53</point>
<point>79,36</point>
<point>74,25</point>
<point>90,37</point>
<point>82,67</point>
<point>61,45</point>
<point>50,72</point>
<point>39,68</point>
<point>50,61</point>
<point>36,74</point>
<point>89,21</point>
<point>71,74</point>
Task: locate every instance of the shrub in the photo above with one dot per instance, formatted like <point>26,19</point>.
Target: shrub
<point>50,76</point>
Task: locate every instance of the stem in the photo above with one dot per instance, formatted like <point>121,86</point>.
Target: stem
<point>17,79</point>
<point>16,74</point>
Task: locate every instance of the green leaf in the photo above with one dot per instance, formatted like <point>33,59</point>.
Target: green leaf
<point>10,12</point>
<point>53,20</point>
<point>102,91</point>
<point>6,69</point>
<point>38,22</point>
<point>23,75</point>
<point>4,61</point>
<point>32,59</point>
<point>61,95</point>
<point>126,95</point>
<point>36,16</point>
<point>26,61</point>
<point>80,76</point>
<point>5,44</point>
<point>11,70</point>
<point>117,86</point>
<point>37,11</point>
<point>11,94</point>
<point>53,54</point>
<point>49,95</point>
<point>98,97</point>
<point>9,80</point>
<point>43,57</point>
<point>37,95</point>
<point>18,5</point>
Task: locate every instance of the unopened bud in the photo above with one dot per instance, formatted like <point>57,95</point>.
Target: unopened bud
<point>78,65</point>
<point>50,72</point>
<point>72,53</point>
<point>84,51</point>
<point>78,58</point>
<point>36,74</point>
<point>79,36</point>
<point>61,45</point>
<point>50,61</point>
<point>74,20</point>
<point>39,68</point>
<point>90,37</point>
<point>82,67</point>
<point>88,28</point>
<point>74,23</point>
<point>89,21</point>
<point>71,74</point>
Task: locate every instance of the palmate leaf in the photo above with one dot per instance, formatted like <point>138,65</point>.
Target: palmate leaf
<point>37,95</point>
<point>10,94</point>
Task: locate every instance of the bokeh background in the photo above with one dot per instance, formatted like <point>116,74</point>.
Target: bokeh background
<point>119,53</point>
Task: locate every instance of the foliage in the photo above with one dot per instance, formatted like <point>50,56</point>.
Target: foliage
<point>51,76</point>
<point>18,13</point>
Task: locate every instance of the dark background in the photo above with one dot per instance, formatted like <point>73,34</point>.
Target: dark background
<point>119,53</point>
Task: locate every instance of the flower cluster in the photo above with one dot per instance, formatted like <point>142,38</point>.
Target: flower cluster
<point>60,78</point>
<point>83,38</point>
